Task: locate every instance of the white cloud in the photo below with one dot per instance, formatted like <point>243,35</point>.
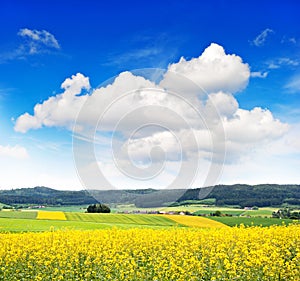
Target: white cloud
<point>245,130</point>
<point>226,104</point>
<point>16,151</point>
<point>60,110</point>
<point>214,70</point>
<point>261,38</point>
<point>290,143</point>
<point>34,42</point>
<point>293,85</point>
<point>271,162</point>
<point>37,39</point>
<point>129,92</point>
<point>259,74</point>
<point>252,126</point>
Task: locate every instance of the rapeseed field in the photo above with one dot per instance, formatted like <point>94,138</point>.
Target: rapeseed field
<point>184,254</point>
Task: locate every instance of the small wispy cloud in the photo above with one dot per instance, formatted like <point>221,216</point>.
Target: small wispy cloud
<point>259,74</point>
<point>279,62</point>
<point>261,38</point>
<point>292,40</point>
<point>272,65</point>
<point>289,40</point>
<point>37,40</point>
<point>34,42</point>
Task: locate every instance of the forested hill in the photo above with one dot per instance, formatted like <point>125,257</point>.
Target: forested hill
<point>238,194</point>
<point>250,195</point>
<point>41,195</point>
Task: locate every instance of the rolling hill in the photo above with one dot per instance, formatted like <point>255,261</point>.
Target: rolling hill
<point>263,195</point>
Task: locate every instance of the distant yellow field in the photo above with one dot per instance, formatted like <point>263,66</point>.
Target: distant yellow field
<point>49,215</point>
<point>196,221</point>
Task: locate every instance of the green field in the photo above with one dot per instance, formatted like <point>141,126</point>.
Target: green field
<point>254,221</point>
<point>18,214</point>
<point>28,225</point>
<point>116,219</point>
<point>17,221</point>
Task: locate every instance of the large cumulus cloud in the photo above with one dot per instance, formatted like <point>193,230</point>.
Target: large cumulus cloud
<point>199,113</point>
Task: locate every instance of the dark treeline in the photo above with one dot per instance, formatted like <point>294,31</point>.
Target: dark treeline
<point>45,196</point>
<point>263,195</point>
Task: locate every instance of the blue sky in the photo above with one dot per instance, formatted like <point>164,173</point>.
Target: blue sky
<point>43,43</point>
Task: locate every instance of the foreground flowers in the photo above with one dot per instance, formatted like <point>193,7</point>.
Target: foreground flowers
<point>144,254</point>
